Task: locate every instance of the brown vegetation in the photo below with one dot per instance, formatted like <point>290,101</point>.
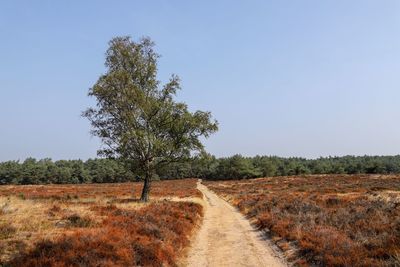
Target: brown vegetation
<point>335,220</point>
<point>97,225</point>
<point>152,236</point>
<point>170,188</point>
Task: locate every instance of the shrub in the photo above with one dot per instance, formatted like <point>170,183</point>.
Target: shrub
<point>76,220</point>
<point>7,231</point>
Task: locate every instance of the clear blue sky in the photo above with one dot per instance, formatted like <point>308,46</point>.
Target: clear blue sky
<point>288,78</point>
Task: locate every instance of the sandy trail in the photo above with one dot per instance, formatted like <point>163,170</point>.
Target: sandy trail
<point>226,238</point>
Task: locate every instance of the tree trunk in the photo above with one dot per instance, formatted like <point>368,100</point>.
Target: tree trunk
<point>146,188</point>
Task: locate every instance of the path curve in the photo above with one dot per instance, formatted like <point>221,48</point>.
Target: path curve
<point>226,238</point>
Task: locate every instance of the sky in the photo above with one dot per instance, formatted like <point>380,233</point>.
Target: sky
<point>302,78</point>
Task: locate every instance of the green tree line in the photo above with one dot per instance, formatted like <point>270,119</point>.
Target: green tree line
<point>46,171</point>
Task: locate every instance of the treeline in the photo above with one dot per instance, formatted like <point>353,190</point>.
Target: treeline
<point>44,171</point>
<point>239,167</point>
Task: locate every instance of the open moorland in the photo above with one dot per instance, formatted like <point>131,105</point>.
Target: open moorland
<point>324,220</point>
<point>315,220</point>
<point>97,224</point>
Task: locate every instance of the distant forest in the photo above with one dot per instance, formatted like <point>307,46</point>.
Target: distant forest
<point>46,171</point>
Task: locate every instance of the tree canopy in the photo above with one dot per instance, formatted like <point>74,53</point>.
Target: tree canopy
<point>137,119</point>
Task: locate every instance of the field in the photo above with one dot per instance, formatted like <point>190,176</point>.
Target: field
<point>324,220</point>
<point>317,220</point>
<point>97,224</point>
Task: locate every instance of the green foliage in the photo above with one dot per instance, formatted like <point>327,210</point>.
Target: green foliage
<point>45,171</point>
<point>10,172</point>
<point>138,120</point>
<point>240,167</point>
<point>237,167</point>
<point>206,166</point>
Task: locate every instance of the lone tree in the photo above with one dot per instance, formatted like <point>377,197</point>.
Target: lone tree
<point>138,120</point>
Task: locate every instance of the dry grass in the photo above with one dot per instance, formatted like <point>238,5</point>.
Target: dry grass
<point>335,220</point>
<point>55,225</point>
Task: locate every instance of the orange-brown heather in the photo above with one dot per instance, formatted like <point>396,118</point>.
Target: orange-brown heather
<point>324,220</point>
<point>97,224</point>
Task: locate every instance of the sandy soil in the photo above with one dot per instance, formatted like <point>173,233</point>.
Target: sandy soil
<point>226,238</point>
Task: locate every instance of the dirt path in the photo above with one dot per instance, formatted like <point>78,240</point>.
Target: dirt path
<point>226,238</point>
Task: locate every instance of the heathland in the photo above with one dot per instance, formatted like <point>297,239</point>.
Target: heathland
<point>97,224</point>
<point>324,220</point>
<point>308,220</point>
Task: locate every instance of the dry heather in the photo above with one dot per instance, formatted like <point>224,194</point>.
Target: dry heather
<point>95,225</point>
<point>69,192</point>
<point>335,220</point>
